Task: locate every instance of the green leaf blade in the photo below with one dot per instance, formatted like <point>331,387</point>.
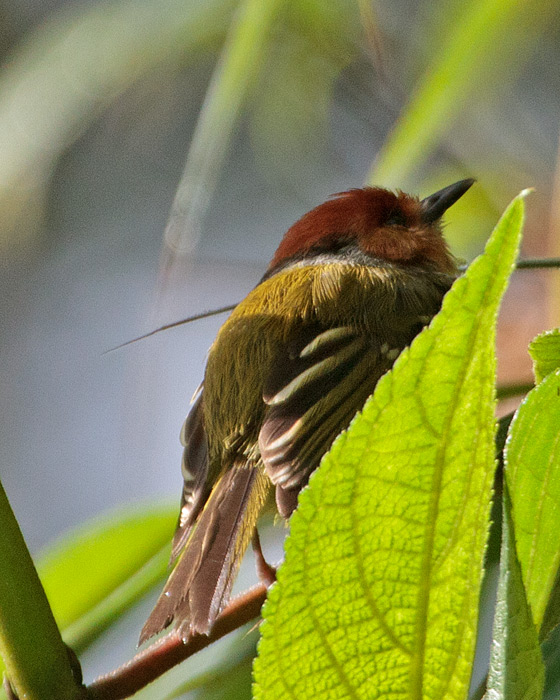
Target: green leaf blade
<point>240,63</point>
<point>516,667</point>
<point>379,592</point>
<point>532,470</point>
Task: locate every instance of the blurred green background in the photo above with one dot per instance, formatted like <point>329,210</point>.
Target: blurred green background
<point>261,109</point>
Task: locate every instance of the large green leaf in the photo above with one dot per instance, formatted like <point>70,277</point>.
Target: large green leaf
<point>532,462</point>
<point>545,351</point>
<point>379,592</point>
<point>516,667</point>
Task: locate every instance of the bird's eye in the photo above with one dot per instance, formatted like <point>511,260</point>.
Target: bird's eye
<point>396,218</point>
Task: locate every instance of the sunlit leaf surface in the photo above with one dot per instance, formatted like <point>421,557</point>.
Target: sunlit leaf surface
<point>378,596</point>
<point>532,462</point>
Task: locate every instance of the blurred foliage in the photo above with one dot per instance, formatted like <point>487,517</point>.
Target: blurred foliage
<point>233,679</point>
<point>443,71</point>
<point>308,52</point>
<point>484,33</point>
<point>96,573</point>
<point>64,73</point>
<point>84,566</point>
<point>448,60</point>
<point>236,71</point>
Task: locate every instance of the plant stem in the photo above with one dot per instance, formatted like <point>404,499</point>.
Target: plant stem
<point>36,658</point>
<point>170,650</point>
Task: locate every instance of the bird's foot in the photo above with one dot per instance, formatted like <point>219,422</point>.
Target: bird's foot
<point>265,571</point>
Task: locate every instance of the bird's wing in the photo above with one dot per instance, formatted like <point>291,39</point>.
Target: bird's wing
<point>194,467</point>
<point>216,522</point>
<point>317,383</point>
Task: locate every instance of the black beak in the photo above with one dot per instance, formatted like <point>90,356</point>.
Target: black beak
<point>436,204</point>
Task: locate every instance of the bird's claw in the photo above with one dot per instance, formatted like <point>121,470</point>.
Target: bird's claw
<point>265,571</point>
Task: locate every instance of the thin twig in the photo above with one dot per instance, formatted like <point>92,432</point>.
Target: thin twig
<point>506,391</point>
<point>170,650</point>
<point>536,263</point>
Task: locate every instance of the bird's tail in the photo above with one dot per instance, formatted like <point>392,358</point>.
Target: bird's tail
<point>200,584</point>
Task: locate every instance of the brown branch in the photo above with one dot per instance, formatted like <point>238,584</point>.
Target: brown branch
<point>170,650</point>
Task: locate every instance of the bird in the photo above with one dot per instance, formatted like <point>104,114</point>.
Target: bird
<point>350,286</point>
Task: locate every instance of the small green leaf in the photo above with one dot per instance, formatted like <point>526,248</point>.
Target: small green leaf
<point>545,351</point>
<point>79,571</point>
<point>379,592</point>
<point>532,468</point>
<point>516,667</point>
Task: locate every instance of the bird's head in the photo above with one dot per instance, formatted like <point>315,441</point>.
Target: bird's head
<point>385,225</point>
